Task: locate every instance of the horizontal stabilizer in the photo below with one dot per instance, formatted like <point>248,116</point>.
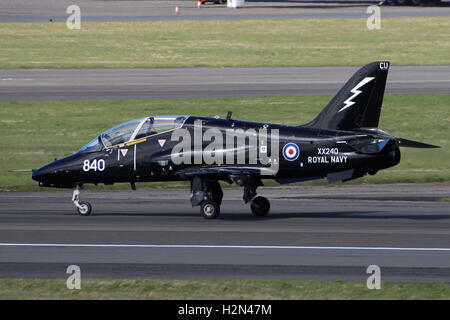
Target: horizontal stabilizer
<point>414,144</point>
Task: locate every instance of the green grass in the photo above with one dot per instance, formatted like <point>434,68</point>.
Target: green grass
<point>35,132</point>
<point>216,289</point>
<point>284,42</point>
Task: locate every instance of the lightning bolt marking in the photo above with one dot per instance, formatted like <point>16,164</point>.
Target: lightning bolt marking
<point>349,102</point>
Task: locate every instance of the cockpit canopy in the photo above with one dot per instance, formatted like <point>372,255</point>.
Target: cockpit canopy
<point>134,130</point>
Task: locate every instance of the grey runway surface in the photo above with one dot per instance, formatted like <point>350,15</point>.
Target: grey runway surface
<point>79,84</point>
<point>320,232</point>
<point>44,10</point>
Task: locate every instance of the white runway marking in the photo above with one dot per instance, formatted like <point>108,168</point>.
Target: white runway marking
<point>16,79</point>
<point>201,246</point>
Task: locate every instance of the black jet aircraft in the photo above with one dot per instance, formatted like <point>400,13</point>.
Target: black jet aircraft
<point>342,143</point>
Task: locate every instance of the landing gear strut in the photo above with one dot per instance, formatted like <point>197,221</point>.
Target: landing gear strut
<point>208,195</point>
<point>84,208</point>
<point>260,206</point>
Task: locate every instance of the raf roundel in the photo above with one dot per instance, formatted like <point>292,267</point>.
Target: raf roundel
<point>291,152</point>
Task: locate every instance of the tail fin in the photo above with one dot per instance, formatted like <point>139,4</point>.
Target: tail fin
<point>358,103</point>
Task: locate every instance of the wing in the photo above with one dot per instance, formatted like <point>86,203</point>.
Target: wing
<point>226,170</point>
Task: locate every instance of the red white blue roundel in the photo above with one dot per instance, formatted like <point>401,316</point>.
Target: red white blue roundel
<point>291,151</point>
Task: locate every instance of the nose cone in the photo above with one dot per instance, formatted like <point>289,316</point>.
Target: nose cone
<point>54,174</point>
<point>37,174</point>
<point>46,174</point>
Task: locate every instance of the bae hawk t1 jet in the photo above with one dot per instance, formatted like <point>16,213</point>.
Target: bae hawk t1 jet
<point>342,143</point>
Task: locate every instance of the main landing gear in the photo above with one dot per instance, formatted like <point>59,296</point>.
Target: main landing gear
<point>208,195</point>
<point>260,206</point>
<point>84,208</point>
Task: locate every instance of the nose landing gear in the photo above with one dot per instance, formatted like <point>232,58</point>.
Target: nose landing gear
<point>84,208</point>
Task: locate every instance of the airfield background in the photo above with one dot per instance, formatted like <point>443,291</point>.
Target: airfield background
<point>59,88</point>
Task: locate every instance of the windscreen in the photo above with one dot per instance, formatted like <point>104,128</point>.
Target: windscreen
<point>120,134</point>
<point>93,146</point>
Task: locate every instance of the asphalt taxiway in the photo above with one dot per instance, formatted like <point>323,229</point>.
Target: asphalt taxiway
<point>81,84</point>
<point>153,10</point>
<point>312,232</point>
<point>325,233</point>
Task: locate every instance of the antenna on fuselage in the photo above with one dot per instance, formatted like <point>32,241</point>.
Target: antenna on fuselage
<point>229,114</point>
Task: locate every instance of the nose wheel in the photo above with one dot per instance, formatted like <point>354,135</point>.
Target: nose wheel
<point>84,208</point>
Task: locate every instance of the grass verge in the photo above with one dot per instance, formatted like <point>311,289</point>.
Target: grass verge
<point>35,132</point>
<point>216,289</point>
<point>276,42</point>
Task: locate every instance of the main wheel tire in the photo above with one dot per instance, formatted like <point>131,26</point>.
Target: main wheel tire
<point>85,209</point>
<point>260,206</point>
<point>209,209</point>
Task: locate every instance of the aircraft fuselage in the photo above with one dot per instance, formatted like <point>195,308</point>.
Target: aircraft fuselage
<point>320,153</point>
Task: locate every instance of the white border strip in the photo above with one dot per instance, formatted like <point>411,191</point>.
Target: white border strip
<point>200,246</point>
